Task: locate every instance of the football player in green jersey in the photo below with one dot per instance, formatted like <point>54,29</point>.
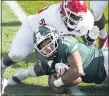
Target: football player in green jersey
<point>73,61</point>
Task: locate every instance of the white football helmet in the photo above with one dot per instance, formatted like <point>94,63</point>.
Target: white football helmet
<point>41,34</point>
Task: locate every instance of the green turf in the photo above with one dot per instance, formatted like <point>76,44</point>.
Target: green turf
<point>34,86</point>
<point>32,7</point>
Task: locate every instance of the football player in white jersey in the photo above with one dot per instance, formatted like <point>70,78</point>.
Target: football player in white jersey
<point>70,17</point>
<point>97,9</point>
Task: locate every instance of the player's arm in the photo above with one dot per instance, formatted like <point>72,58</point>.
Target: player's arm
<point>73,75</point>
<point>70,78</point>
<point>75,61</point>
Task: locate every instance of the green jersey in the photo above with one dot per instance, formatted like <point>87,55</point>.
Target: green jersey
<point>92,58</point>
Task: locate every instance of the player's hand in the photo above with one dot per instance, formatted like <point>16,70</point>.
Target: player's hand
<point>92,35</point>
<point>61,68</point>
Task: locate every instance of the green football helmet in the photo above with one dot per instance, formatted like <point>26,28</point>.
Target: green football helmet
<point>44,33</point>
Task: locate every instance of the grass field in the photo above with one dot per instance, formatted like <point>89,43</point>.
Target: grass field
<point>34,86</point>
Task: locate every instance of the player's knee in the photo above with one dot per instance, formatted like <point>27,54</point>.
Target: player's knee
<point>6,61</point>
<point>16,57</point>
<point>97,15</point>
<point>77,81</point>
<point>38,70</point>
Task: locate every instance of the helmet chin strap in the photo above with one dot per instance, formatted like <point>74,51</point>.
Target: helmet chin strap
<point>68,28</point>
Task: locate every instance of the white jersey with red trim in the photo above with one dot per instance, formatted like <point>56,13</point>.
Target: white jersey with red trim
<point>51,16</point>
<point>23,44</point>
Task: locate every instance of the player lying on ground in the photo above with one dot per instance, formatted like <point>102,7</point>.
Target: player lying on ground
<point>73,61</point>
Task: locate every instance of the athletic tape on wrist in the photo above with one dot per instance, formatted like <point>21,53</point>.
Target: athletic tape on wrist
<point>58,82</point>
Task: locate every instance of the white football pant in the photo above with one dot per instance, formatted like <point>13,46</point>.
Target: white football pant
<point>98,8</point>
<point>22,43</point>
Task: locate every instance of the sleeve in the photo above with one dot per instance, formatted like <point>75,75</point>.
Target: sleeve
<point>73,48</point>
<point>85,25</point>
<point>72,45</point>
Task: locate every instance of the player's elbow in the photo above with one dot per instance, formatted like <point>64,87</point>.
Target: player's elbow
<point>74,82</point>
<point>77,81</point>
<point>76,71</point>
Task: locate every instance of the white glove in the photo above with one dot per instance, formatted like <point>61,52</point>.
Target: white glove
<point>61,68</point>
<point>92,35</point>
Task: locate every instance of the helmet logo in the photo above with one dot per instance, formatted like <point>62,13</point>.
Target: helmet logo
<point>44,30</point>
<point>42,22</point>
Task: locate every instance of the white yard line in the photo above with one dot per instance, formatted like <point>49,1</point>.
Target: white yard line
<point>17,10</point>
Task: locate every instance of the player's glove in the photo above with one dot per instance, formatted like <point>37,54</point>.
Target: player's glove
<point>60,68</point>
<point>92,35</point>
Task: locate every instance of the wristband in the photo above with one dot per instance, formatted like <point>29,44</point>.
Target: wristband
<point>58,82</point>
